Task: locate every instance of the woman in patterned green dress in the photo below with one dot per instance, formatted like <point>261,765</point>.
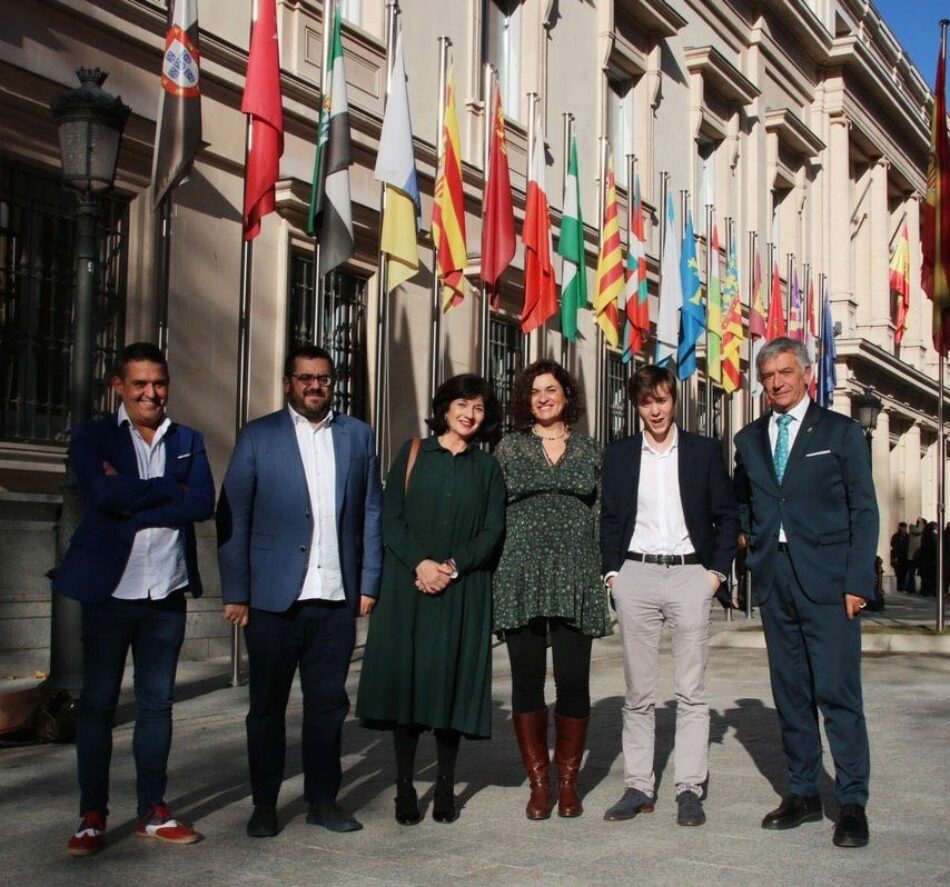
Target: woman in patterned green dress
<point>548,579</point>
<point>427,662</point>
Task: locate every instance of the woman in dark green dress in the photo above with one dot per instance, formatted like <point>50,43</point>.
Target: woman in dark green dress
<point>427,663</point>
<point>548,583</point>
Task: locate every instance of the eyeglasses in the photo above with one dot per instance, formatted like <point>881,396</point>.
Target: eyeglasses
<point>307,378</point>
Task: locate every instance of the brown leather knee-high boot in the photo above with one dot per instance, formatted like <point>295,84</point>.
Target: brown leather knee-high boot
<point>531,728</point>
<point>568,751</point>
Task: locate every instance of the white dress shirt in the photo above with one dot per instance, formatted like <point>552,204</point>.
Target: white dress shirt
<point>797,413</point>
<point>156,565</point>
<point>323,579</point>
<point>661,525</point>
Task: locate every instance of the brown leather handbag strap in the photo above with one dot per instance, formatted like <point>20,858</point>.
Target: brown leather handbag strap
<point>413,455</point>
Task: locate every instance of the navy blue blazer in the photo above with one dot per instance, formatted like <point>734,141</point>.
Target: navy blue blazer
<point>115,508</point>
<point>826,504</point>
<point>265,525</point>
<point>709,506</point>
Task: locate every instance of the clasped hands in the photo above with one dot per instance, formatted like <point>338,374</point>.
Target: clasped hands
<point>433,577</point>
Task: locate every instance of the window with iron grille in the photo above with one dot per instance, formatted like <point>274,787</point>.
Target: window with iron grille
<point>342,328</point>
<point>37,288</point>
<point>505,359</point>
<point>719,406</point>
<point>618,420</point>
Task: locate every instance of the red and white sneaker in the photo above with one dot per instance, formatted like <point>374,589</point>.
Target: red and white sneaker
<point>158,823</point>
<point>90,836</point>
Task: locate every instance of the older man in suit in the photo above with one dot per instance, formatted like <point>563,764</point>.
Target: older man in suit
<point>803,480</point>
<point>144,481</point>
<point>669,530</point>
<point>300,556</point>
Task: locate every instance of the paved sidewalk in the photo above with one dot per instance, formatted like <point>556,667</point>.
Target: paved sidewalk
<point>907,700</point>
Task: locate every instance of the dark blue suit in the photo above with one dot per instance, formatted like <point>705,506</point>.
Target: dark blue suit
<point>265,529</point>
<point>115,508</point>
<point>827,506</point>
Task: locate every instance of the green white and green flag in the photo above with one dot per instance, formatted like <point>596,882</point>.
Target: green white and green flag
<point>570,248</point>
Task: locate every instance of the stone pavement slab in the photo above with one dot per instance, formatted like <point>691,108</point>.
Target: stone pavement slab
<point>907,700</point>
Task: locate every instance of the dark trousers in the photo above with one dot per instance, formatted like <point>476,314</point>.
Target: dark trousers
<point>570,650</point>
<point>318,637</point>
<point>815,665</point>
<point>155,631</point>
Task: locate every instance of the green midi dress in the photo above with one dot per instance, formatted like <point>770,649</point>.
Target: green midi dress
<point>550,565</point>
<point>428,657</point>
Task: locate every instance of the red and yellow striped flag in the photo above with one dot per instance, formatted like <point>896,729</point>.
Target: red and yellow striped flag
<point>935,223</point>
<point>733,333</point>
<point>448,211</point>
<point>610,280</point>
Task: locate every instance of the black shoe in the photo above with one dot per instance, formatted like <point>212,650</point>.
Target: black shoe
<point>793,811</point>
<point>443,802</point>
<point>689,809</point>
<point>633,802</point>
<point>852,828</point>
<point>263,822</point>
<point>333,817</point>
<point>407,804</point>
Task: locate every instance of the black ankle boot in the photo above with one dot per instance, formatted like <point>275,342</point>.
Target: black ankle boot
<point>443,803</point>
<point>407,803</point>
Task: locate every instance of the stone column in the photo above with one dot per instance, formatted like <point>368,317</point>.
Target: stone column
<point>879,295</point>
<point>839,266</point>
<point>881,468</point>
<point>912,473</point>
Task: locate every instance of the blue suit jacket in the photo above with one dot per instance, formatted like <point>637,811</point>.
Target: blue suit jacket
<point>115,508</point>
<point>708,504</point>
<point>825,502</point>
<point>265,525</point>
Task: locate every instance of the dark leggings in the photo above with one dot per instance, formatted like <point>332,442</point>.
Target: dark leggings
<point>527,652</point>
<point>405,740</point>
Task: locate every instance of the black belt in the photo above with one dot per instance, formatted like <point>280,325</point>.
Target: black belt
<point>783,547</point>
<point>667,560</point>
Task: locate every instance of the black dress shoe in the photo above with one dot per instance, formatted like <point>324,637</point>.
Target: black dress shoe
<point>332,817</point>
<point>407,804</point>
<point>852,828</point>
<point>443,801</point>
<point>263,822</point>
<point>793,811</point>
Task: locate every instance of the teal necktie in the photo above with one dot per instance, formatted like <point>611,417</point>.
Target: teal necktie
<point>780,456</point>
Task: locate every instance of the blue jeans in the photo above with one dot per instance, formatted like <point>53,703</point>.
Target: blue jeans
<point>155,631</point>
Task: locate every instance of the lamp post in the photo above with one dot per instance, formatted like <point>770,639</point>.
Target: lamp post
<point>868,406</point>
<point>90,123</point>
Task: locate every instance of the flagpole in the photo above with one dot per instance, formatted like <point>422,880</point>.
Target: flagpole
<point>710,258</point>
<point>687,389</point>
<point>163,268</point>
<point>488,96</point>
<point>531,339</point>
<point>789,258</point>
<point>319,283</point>
<point>664,193</point>
<point>749,399</point>
<point>434,368</point>
<point>630,365</point>
<point>382,318</point>
<point>941,477</point>
<point>567,119</point>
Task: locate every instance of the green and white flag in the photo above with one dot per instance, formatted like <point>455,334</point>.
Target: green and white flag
<point>331,215</point>
<point>570,248</point>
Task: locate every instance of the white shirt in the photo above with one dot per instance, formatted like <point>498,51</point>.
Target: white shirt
<point>156,565</point>
<point>323,579</point>
<point>661,525</point>
<point>797,413</point>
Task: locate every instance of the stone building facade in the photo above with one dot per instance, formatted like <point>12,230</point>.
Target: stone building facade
<point>802,123</point>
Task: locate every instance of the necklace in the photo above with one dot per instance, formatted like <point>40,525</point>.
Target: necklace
<point>549,436</point>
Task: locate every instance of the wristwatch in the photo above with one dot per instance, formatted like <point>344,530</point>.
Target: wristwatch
<point>455,570</point>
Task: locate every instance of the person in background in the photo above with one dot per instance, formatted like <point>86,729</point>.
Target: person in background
<point>145,481</point>
<point>427,661</point>
<point>900,554</point>
<point>547,586</point>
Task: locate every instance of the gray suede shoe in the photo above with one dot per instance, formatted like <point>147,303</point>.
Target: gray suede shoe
<point>633,802</point>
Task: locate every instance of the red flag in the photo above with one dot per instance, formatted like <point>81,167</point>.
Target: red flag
<point>900,284</point>
<point>757,328</point>
<point>775,325</point>
<point>498,222</point>
<point>935,226</point>
<point>540,297</point>
<point>262,102</point>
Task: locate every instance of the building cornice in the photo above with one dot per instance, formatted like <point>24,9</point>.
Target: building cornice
<point>721,75</point>
<point>792,132</point>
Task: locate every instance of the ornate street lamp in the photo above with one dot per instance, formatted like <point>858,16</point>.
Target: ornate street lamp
<point>90,123</point>
<point>868,406</point>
